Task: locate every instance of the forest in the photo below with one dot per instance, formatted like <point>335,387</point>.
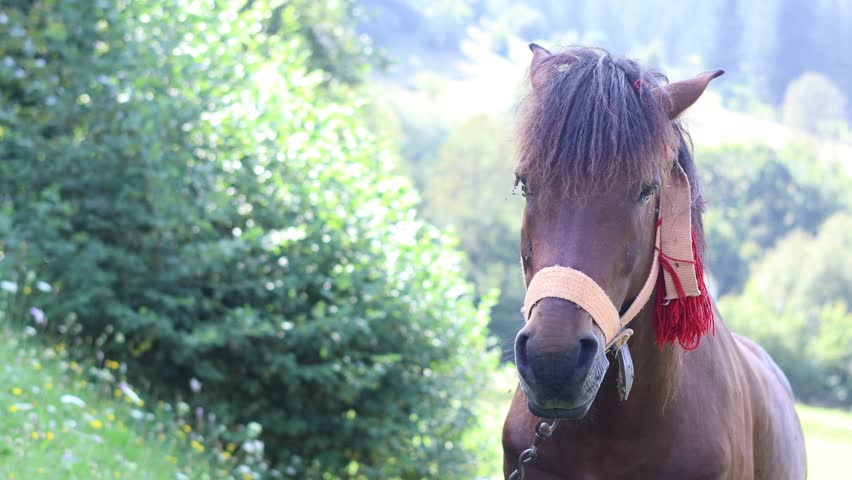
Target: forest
<point>279,238</point>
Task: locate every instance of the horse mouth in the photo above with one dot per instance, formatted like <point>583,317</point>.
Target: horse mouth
<point>572,413</point>
<point>562,404</point>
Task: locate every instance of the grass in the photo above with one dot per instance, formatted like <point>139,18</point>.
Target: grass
<point>59,419</point>
<point>828,439</point>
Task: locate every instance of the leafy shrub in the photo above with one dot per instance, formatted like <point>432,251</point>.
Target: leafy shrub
<point>207,211</point>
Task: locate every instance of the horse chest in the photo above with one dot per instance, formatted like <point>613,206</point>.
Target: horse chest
<point>647,456</point>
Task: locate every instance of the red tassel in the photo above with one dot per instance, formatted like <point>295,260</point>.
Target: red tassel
<point>685,319</point>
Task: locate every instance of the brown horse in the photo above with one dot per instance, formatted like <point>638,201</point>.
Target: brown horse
<point>598,139</point>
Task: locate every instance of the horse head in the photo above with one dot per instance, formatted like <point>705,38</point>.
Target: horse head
<point>598,142</point>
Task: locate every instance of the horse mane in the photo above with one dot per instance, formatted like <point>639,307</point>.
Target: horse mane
<point>593,125</point>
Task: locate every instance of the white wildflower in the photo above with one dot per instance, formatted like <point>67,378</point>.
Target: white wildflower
<point>38,316</point>
<point>10,287</point>
<point>127,391</point>
<point>254,429</point>
<point>194,385</point>
<point>72,400</point>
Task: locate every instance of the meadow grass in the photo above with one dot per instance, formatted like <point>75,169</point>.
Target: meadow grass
<point>57,420</point>
<point>828,439</point>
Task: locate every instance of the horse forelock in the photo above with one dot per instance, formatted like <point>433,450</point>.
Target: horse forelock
<point>593,125</point>
<point>590,127</point>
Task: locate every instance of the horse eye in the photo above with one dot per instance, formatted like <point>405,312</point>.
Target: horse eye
<point>520,187</point>
<point>647,192</point>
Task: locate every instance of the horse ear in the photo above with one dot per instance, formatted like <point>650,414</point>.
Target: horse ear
<point>679,96</point>
<point>540,54</point>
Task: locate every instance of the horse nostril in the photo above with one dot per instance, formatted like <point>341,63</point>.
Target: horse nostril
<point>587,354</point>
<point>521,349</point>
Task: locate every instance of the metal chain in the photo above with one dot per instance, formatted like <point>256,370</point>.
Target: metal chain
<point>542,431</point>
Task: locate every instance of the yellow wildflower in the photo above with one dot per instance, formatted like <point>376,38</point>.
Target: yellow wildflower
<point>13,408</point>
<point>36,365</point>
<point>49,436</point>
<point>111,364</point>
<point>247,476</point>
<point>171,459</point>
<point>27,290</point>
<point>116,474</point>
<point>17,391</point>
<point>34,435</point>
<point>181,435</point>
<point>197,445</point>
<point>226,455</point>
<point>110,417</point>
<point>96,424</point>
<point>48,386</point>
<point>118,393</point>
<point>41,470</point>
<point>230,447</point>
<point>187,428</point>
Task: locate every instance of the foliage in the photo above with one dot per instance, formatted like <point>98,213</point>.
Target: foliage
<point>754,198</point>
<point>207,212</point>
<point>814,104</point>
<point>797,306</point>
<point>328,33</point>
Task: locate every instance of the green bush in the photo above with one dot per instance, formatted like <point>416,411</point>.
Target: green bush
<point>207,211</point>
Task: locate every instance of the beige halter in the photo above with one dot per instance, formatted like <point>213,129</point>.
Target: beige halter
<point>673,239</point>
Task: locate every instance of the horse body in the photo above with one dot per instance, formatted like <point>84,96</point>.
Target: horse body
<point>597,147</point>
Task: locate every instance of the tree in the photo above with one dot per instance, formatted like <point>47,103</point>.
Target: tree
<point>753,200</point>
<point>812,103</point>
<point>796,306</point>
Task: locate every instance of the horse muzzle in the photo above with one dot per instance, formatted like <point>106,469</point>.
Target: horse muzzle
<point>560,376</point>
